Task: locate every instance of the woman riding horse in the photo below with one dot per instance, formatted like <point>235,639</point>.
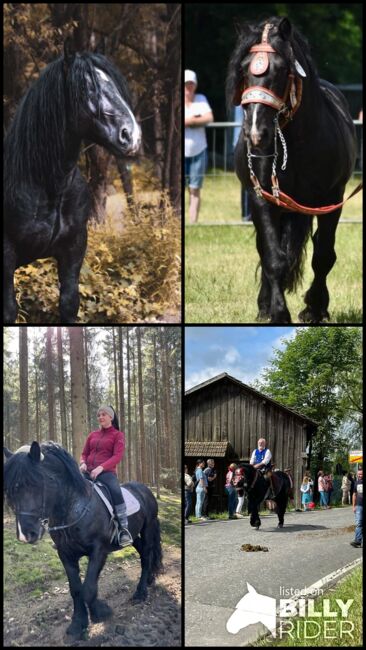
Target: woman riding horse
<point>103,450</point>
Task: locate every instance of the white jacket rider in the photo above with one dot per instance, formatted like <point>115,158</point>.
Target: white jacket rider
<point>261,457</point>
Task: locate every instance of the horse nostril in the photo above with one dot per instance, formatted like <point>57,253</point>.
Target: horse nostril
<point>125,136</point>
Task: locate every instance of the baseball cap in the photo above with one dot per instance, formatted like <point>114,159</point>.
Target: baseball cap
<point>189,75</point>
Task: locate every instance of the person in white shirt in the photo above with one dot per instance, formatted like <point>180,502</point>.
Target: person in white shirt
<point>261,459</point>
<point>197,113</point>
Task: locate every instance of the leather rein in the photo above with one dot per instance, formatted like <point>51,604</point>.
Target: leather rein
<point>285,108</point>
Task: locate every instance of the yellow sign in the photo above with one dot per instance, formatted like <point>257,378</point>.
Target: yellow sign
<point>355,456</point>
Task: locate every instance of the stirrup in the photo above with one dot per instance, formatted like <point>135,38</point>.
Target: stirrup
<point>121,534</point>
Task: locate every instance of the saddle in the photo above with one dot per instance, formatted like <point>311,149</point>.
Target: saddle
<point>132,504</point>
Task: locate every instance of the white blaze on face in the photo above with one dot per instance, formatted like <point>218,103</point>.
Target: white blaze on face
<point>21,535</point>
<point>254,133</point>
<point>136,131</point>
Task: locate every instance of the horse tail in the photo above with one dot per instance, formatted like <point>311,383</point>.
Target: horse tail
<point>156,566</point>
<point>295,232</point>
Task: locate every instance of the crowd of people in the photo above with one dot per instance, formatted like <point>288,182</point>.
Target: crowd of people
<point>202,483</point>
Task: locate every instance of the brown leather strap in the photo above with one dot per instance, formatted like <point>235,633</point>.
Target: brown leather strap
<point>262,47</point>
<point>286,202</point>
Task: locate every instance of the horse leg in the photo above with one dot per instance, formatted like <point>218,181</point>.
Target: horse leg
<point>99,610</point>
<point>255,521</point>
<point>280,515</point>
<point>274,268</point>
<point>324,257</point>
<point>281,509</point>
<point>69,265</point>
<point>80,616</point>
<point>10,304</point>
<point>264,299</point>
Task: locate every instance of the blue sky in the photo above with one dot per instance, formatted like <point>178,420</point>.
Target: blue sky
<point>240,351</point>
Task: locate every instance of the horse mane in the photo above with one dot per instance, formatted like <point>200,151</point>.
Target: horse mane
<point>37,133</point>
<point>22,473</point>
<point>250,34</point>
<point>58,461</point>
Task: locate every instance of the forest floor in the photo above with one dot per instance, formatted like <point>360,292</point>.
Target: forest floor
<point>38,605</point>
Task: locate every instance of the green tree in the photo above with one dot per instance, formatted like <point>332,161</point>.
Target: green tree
<point>318,373</point>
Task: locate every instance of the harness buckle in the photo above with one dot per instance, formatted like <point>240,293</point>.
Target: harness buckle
<point>275,189</point>
<point>256,185</point>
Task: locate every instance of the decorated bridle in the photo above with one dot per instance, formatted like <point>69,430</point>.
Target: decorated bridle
<point>261,95</point>
<point>285,108</point>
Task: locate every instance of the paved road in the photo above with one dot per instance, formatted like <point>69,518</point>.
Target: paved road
<point>310,546</point>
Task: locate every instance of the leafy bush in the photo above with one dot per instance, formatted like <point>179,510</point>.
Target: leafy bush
<point>131,272</point>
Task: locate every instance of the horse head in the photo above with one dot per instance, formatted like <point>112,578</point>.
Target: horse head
<point>24,490</point>
<point>253,608</point>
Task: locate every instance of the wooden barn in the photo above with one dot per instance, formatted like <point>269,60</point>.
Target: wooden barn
<point>224,419</point>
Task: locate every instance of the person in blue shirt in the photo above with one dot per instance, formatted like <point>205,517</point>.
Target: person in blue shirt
<point>201,487</point>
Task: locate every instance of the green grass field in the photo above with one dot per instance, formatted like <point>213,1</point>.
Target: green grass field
<point>221,263</point>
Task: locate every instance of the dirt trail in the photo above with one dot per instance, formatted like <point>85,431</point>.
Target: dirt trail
<point>157,622</point>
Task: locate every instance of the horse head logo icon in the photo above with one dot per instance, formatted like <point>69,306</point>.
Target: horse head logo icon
<point>253,608</point>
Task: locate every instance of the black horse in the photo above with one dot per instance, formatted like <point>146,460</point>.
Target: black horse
<point>272,75</point>
<point>47,201</point>
<point>46,484</point>
<point>256,486</point>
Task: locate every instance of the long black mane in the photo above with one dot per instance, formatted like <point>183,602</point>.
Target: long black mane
<point>22,473</point>
<point>37,133</point>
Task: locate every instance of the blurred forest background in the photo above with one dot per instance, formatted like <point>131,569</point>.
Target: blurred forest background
<point>136,206</point>
<point>55,379</point>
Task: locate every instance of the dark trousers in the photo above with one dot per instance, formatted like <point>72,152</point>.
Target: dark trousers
<point>207,501</point>
<point>111,481</point>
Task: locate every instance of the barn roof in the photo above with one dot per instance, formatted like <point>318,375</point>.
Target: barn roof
<point>256,393</point>
<point>214,449</point>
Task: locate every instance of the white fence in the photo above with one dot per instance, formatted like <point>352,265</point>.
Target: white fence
<point>221,153</point>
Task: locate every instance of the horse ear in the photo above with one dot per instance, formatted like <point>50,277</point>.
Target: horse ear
<point>285,29</point>
<point>69,53</point>
<point>251,589</point>
<point>7,453</point>
<point>35,452</point>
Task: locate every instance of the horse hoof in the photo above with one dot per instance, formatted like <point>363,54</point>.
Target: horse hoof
<point>279,525</point>
<point>76,631</point>
<point>138,598</point>
<point>101,612</point>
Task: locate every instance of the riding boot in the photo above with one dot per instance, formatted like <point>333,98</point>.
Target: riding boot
<point>124,536</point>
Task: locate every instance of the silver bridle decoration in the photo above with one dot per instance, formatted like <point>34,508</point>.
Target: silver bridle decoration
<point>274,155</point>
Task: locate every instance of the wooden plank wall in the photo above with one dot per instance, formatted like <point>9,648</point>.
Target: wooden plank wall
<point>227,412</point>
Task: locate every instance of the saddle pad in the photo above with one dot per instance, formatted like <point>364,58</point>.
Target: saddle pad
<point>132,504</point>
